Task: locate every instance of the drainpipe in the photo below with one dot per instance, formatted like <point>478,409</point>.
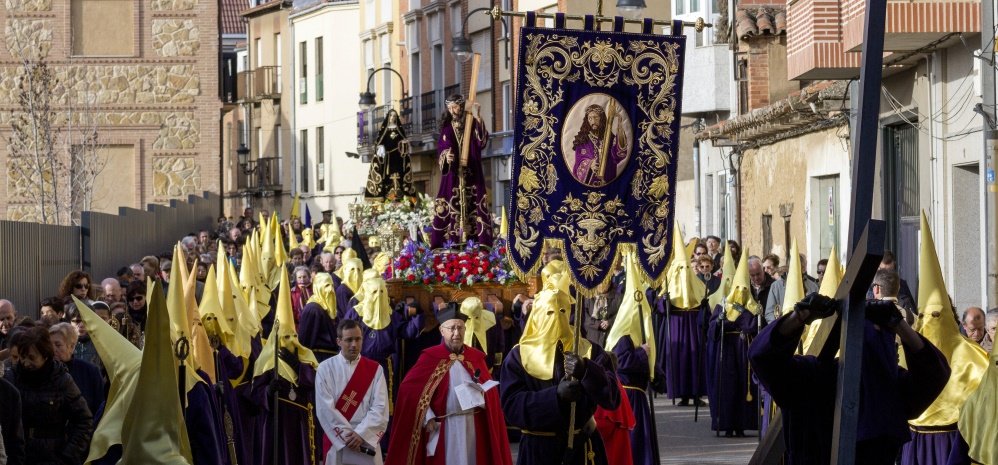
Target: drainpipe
<point>696,187</point>
<point>990,158</point>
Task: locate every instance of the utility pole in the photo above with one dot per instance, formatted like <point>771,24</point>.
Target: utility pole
<point>990,146</point>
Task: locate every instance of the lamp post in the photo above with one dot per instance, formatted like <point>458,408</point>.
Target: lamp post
<point>367,100</point>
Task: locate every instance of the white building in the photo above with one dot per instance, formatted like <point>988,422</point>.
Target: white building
<point>325,108</point>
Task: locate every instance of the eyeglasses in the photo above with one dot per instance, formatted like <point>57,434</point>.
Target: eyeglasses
<point>136,298</point>
<point>455,329</point>
<point>81,285</point>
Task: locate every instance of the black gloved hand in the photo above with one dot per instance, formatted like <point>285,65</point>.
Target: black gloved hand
<point>883,313</point>
<point>289,357</point>
<point>575,366</point>
<point>739,307</point>
<point>569,391</point>
<point>816,306</point>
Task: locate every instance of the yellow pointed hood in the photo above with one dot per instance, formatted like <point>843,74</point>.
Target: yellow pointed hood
<point>180,324</point>
<point>480,321</point>
<point>292,239</point>
<point>977,418</point>
<point>201,349</point>
<point>236,340</point>
<point>686,291</point>
<point>247,325</point>
<point>547,326</point>
<point>283,335</point>
<point>372,301</point>
<point>331,237</point>
<point>121,359</point>
<point>556,273</point>
<point>324,294</point>
<point>308,238</point>
<point>741,291</point>
<point>634,315</point>
<point>153,430</point>
<point>381,262</point>
<point>795,281</point>
<point>210,308</point>
<point>352,273</point>
<point>296,207</point>
<point>503,224</point>
<point>829,285</point>
<point>727,277</point>
<point>968,361</point>
<point>280,253</point>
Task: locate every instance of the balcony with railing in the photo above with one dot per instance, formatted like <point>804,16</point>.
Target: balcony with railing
<point>259,176</point>
<point>418,114</point>
<point>259,83</point>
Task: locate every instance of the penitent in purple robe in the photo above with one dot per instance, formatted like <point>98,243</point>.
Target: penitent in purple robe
<point>235,403</point>
<point>930,447</point>
<point>299,434</point>
<point>317,331</point>
<point>204,425</point>
<point>446,226</point>
<point>682,350</point>
<point>533,406</point>
<point>805,386</point>
<point>634,373</point>
<point>732,393</point>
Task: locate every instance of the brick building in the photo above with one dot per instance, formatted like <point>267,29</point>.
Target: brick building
<point>150,83</point>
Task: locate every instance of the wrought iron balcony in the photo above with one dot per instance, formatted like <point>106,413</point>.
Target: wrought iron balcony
<point>259,175</point>
<point>259,83</point>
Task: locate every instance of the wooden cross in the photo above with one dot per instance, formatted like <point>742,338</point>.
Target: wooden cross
<point>866,248</point>
<point>350,402</point>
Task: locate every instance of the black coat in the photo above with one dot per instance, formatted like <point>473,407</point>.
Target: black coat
<point>59,428</point>
<point>10,423</point>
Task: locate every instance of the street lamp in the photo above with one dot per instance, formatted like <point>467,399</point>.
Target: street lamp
<point>632,8</point>
<point>367,98</point>
<point>460,44</point>
<point>243,154</point>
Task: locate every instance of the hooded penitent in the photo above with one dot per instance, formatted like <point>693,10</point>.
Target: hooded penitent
<point>634,316</point>
<point>324,294</point>
<point>968,361</point>
<point>121,359</point>
<point>829,284</point>
<point>727,277</point>
<point>741,292</point>
<point>284,335</point>
<point>479,322</point>
<point>795,281</point>
<point>211,309</point>
<point>686,291</point>
<point>548,327</point>
<point>352,273</point>
<point>373,305</point>
<point>977,419</point>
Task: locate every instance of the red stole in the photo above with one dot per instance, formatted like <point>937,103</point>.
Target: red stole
<point>357,387</point>
<point>615,428</point>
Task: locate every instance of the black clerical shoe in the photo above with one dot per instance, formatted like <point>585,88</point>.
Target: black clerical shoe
<point>728,434</point>
<point>684,402</point>
<point>700,403</point>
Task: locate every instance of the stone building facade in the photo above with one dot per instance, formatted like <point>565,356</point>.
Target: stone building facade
<point>148,73</point>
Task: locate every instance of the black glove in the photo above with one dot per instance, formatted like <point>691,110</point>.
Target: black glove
<point>291,358</point>
<point>740,308</point>
<point>817,307</point>
<point>658,383</point>
<point>575,366</point>
<point>883,313</point>
<point>569,391</point>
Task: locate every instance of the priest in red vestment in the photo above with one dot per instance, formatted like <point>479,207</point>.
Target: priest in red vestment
<point>432,426</point>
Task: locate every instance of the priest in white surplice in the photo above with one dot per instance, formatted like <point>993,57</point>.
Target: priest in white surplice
<point>432,426</point>
<point>352,400</point>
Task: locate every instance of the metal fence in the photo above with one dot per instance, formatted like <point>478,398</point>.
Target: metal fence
<point>35,257</point>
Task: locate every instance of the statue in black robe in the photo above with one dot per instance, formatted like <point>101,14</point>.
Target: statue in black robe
<point>390,177</point>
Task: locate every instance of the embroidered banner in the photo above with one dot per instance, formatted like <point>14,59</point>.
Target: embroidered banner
<point>577,184</point>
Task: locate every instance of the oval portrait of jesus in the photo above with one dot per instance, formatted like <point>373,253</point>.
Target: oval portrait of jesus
<point>596,139</point>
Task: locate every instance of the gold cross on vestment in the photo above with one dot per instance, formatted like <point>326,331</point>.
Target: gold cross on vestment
<point>350,399</point>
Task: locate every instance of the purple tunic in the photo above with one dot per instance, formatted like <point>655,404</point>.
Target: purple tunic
<point>946,447</point>
<point>633,372</point>
<point>729,386</point>
<point>683,347</point>
<point>585,158</point>
<point>299,444</point>
<point>317,331</point>
<point>533,406</point>
<point>235,403</point>
<point>344,295</point>
<point>805,388</point>
<point>446,226</point>
<point>204,426</point>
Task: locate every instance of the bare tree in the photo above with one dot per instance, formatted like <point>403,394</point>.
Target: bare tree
<point>33,139</point>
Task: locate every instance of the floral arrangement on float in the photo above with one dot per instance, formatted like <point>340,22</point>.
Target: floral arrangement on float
<point>417,264</point>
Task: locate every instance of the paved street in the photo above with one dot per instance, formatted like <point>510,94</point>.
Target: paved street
<point>683,441</point>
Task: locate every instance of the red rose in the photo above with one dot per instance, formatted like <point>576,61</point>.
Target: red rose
<point>426,280</point>
<point>491,275</point>
<point>411,277</point>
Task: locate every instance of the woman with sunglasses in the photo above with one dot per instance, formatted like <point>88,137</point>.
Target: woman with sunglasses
<point>76,284</point>
<point>136,300</point>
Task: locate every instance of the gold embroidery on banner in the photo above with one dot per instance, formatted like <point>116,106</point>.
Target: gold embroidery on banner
<point>650,67</point>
